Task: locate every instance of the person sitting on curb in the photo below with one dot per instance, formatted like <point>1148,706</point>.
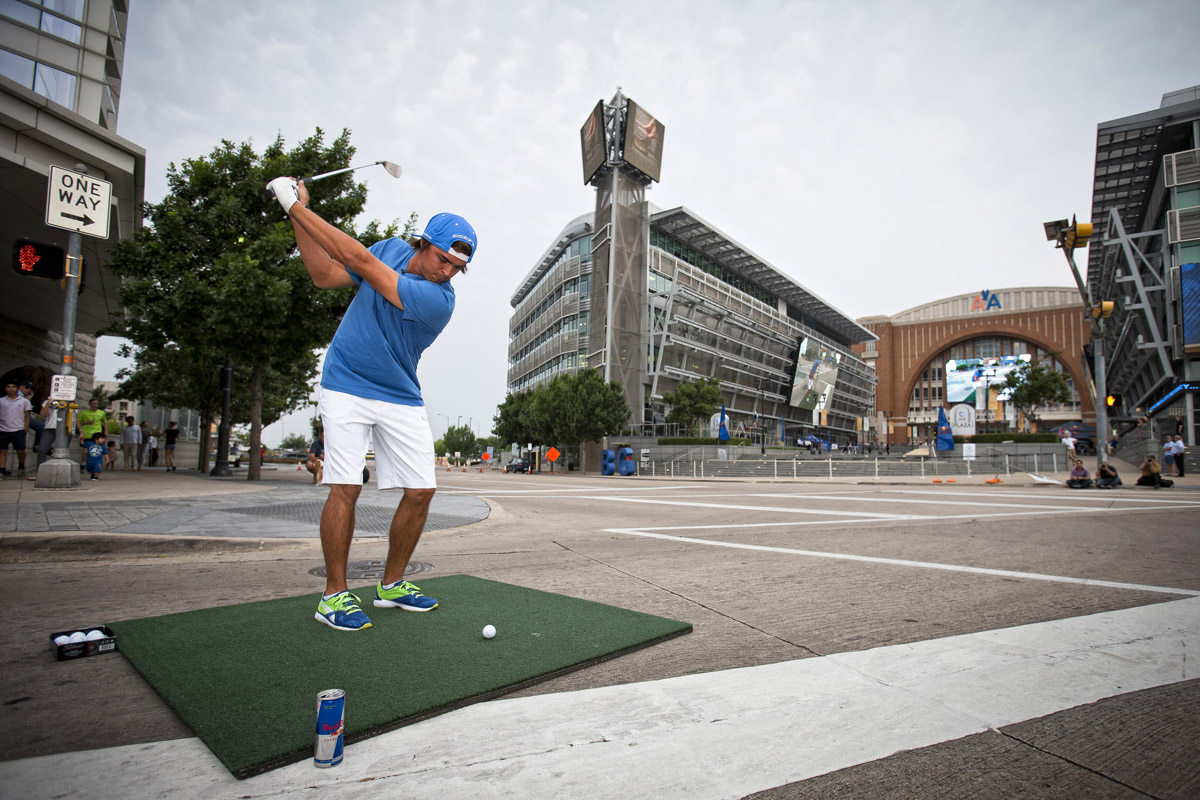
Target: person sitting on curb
<point>316,457</point>
<point>1152,474</point>
<point>1107,477</point>
<point>1080,478</point>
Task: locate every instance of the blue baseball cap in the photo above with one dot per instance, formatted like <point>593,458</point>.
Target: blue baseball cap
<point>444,230</point>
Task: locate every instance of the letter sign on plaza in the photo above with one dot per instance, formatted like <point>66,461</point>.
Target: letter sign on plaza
<point>77,202</point>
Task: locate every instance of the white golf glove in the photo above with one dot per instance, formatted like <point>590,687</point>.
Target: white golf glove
<point>285,192</point>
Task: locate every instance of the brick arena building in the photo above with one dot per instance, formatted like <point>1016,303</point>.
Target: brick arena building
<point>988,329</point>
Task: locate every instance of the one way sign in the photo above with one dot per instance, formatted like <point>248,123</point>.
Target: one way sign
<point>77,202</point>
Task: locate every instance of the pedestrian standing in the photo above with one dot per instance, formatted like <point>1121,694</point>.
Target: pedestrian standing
<point>89,423</point>
<point>143,444</point>
<point>131,442</point>
<point>172,436</point>
<point>1178,449</point>
<point>15,413</point>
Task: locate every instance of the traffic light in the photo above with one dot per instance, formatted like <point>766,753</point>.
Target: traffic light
<point>1103,309</point>
<point>43,260</point>
<point>1078,235</point>
<point>1114,400</point>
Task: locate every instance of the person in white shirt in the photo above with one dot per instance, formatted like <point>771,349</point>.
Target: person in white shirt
<point>15,414</point>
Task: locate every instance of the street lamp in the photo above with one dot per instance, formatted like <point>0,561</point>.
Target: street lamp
<point>1070,236</point>
<point>762,416</point>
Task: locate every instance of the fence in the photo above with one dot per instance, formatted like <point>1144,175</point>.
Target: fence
<point>995,464</point>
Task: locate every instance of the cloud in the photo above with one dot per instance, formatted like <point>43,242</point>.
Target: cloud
<point>882,154</point>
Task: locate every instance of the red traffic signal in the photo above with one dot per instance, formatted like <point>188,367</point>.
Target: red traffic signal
<point>43,260</point>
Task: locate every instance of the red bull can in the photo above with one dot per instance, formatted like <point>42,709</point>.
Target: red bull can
<point>331,723</point>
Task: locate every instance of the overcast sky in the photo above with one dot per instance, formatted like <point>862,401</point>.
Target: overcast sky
<point>882,154</point>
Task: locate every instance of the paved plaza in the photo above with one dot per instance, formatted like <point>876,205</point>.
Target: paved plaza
<point>852,637</point>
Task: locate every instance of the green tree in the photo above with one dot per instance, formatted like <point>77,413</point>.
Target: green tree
<point>512,423</point>
<point>585,408</point>
<point>694,403</point>
<point>214,276</point>
<point>459,439</point>
<point>294,441</point>
<point>1031,385</point>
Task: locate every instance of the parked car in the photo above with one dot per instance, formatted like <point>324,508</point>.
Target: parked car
<point>517,465</point>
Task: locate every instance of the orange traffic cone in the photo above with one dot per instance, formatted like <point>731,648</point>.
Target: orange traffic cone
<point>299,466</point>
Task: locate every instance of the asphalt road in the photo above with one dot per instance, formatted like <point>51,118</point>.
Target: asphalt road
<point>853,638</point>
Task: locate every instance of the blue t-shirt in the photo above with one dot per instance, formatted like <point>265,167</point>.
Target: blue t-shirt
<point>95,456</point>
<point>375,351</point>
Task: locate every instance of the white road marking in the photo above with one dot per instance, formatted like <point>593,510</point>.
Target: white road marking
<point>897,562</point>
<point>712,736</point>
<point>1077,495</point>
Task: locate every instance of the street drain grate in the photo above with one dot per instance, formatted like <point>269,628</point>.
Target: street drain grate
<point>373,570</point>
<point>367,518</point>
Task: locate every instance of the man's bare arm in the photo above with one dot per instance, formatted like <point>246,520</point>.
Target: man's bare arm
<point>341,249</point>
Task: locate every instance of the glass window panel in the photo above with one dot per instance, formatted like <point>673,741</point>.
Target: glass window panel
<point>1188,197</point>
<point>55,84</point>
<point>13,9</point>
<point>68,8</point>
<point>60,27</point>
<point>17,68</point>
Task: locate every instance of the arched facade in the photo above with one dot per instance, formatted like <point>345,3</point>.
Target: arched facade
<point>909,358</point>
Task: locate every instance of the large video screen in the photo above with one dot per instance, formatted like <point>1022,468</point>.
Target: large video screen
<point>643,141</point>
<point>816,373</point>
<point>1189,280</point>
<point>966,375</point>
<point>591,137</point>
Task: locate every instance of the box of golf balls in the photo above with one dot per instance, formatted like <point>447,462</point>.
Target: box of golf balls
<point>89,641</point>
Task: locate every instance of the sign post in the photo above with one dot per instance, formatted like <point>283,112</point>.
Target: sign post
<point>80,205</point>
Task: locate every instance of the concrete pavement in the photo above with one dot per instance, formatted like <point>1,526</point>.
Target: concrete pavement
<point>838,685</point>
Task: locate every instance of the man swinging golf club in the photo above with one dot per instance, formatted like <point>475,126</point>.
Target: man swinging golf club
<point>369,387</point>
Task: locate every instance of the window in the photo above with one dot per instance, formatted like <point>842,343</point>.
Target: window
<point>60,27</point>
<point>68,8</point>
<point>55,84</point>
<point>28,13</point>
<point>16,68</point>
<point>14,9</point>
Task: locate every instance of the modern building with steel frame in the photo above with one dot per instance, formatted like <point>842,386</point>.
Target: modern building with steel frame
<point>688,302</point>
<point>1144,257</point>
<point>60,89</point>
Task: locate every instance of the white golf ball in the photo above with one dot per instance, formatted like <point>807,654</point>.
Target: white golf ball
<point>489,631</point>
<point>96,634</point>
<point>76,637</point>
<point>62,639</point>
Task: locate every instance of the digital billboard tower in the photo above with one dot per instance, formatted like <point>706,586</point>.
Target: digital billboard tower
<point>622,155</point>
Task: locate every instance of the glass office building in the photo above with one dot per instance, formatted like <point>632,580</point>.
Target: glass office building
<point>60,90</point>
<point>1144,257</point>
<point>710,308</point>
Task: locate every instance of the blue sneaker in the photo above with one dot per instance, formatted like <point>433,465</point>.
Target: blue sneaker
<point>342,612</point>
<point>403,595</point>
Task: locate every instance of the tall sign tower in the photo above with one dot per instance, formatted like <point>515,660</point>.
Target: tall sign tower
<point>622,155</point>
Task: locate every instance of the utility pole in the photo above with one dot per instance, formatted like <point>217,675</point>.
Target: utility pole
<point>1069,237</point>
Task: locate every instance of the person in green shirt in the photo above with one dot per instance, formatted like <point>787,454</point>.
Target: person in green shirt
<point>90,422</point>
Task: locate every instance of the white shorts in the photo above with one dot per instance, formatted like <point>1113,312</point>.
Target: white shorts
<point>403,442</point>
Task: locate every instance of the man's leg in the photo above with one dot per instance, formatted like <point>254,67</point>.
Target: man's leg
<point>337,531</point>
<point>405,532</point>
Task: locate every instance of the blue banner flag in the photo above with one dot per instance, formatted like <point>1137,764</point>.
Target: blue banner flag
<point>723,434</point>
<point>945,439</point>
<point>782,430</point>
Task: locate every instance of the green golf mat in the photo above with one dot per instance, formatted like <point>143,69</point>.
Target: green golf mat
<point>245,678</point>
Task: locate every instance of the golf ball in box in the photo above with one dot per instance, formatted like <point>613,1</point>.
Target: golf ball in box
<point>94,635</point>
<point>77,636</point>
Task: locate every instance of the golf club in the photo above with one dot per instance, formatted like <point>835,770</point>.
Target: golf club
<point>393,169</point>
